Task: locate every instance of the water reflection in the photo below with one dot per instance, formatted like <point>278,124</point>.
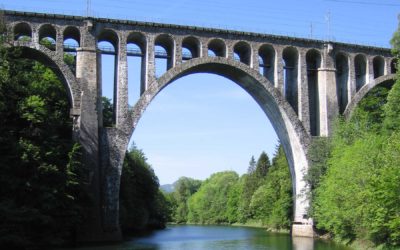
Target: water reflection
<point>218,238</point>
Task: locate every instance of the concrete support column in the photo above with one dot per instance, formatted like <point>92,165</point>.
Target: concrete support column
<point>229,51</point>
<point>303,98</point>
<point>122,85</point>
<point>204,48</point>
<point>328,104</point>
<point>279,83</point>
<point>60,43</point>
<point>178,51</point>
<point>352,79</point>
<point>144,77</point>
<point>35,36</point>
<point>150,68</point>
<point>387,70</point>
<point>255,64</point>
<point>87,71</point>
<point>370,70</point>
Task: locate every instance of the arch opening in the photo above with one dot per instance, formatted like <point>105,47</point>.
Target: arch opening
<point>342,80</point>
<point>107,43</point>
<point>379,66</point>
<point>313,61</point>
<point>164,54</point>
<point>190,48</point>
<point>136,52</point>
<point>290,58</point>
<point>283,119</point>
<point>22,32</point>
<point>216,47</point>
<point>71,42</point>
<point>243,52</point>
<point>48,36</point>
<point>360,67</point>
<point>267,62</point>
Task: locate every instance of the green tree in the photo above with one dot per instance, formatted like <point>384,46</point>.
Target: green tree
<point>184,188</point>
<point>209,204</point>
<point>262,166</point>
<point>272,202</point>
<point>142,205</point>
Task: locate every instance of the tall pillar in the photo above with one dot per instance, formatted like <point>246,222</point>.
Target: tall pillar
<point>122,85</point>
<point>255,64</point>
<point>303,98</point>
<point>352,88</point>
<point>150,68</point>
<point>328,105</point>
<point>87,72</point>
<point>279,84</point>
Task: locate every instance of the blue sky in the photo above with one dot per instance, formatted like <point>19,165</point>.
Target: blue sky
<point>202,123</point>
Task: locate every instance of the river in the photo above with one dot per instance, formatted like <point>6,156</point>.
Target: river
<point>189,237</point>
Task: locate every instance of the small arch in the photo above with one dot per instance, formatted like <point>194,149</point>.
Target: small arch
<point>243,51</point>
<point>136,44</point>
<point>139,39</point>
<point>72,32</point>
<point>217,47</point>
<point>108,35</point>
<point>393,66</point>
<point>342,80</point>
<point>107,43</point>
<point>190,48</point>
<point>290,58</point>
<point>313,61</point>
<point>379,66</point>
<point>360,68</point>
<point>267,61</point>
<point>48,36</point>
<point>22,31</point>
<point>165,49</point>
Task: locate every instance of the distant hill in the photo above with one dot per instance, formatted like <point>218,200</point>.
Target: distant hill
<point>168,188</point>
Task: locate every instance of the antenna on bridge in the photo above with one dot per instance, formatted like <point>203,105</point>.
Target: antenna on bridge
<point>311,30</point>
<point>328,22</point>
<point>88,7</point>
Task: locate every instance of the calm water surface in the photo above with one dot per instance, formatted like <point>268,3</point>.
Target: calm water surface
<point>217,237</point>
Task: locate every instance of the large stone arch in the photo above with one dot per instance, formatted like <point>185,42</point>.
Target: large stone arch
<point>382,80</point>
<point>54,61</point>
<point>289,128</point>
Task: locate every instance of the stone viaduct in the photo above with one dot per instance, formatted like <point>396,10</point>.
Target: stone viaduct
<point>300,84</point>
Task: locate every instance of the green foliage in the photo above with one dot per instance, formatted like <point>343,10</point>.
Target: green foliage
<point>272,202</point>
<point>40,176</point>
<point>184,188</point>
<point>355,176</point>
<point>108,112</point>
<point>226,198</point>
<point>142,205</point>
<point>209,204</point>
<point>395,41</point>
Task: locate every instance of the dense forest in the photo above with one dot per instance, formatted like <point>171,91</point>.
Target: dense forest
<point>262,197</point>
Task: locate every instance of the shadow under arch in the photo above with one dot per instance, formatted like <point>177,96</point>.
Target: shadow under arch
<point>380,81</point>
<point>288,127</point>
